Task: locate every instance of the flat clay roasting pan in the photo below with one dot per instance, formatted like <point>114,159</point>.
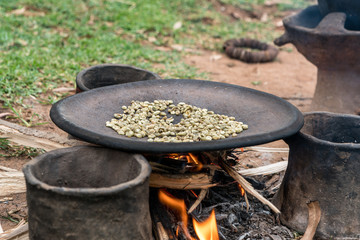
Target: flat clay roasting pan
<point>269,117</point>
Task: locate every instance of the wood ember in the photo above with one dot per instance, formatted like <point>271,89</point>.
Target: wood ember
<point>160,231</point>
<point>234,221</point>
<point>220,158</point>
<point>161,219</point>
<point>201,197</point>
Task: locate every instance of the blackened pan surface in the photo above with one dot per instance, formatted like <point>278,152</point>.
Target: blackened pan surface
<point>269,117</point>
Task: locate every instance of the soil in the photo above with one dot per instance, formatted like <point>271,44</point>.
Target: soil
<point>290,77</point>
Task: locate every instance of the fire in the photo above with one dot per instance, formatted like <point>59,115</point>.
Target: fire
<point>191,159</point>
<point>176,156</point>
<point>207,230</point>
<point>177,205</point>
<point>242,190</point>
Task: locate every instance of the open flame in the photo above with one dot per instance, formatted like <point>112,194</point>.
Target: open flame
<point>190,157</point>
<point>206,230</point>
<point>177,205</point>
<point>242,190</point>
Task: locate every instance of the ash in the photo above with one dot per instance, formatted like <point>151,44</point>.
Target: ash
<point>235,222</point>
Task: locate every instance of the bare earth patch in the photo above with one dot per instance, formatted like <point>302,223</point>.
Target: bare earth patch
<point>290,76</point>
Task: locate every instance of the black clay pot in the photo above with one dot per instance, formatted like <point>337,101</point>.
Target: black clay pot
<point>327,34</point>
<point>87,193</point>
<point>110,74</point>
<point>324,166</point>
<point>350,7</point>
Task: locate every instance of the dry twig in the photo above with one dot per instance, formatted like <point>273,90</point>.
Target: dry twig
<point>161,233</point>
<point>265,170</point>
<point>219,158</point>
<point>6,169</point>
<point>201,197</point>
<point>18,233</point>
<point>246,185</point>
<point>313,220</point>
<point>34,138</point>
<point>267,149</point>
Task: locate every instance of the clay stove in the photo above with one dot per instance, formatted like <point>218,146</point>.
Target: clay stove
<point>323,167</point>
<point>328,36</point>
<point>271,118</point>
<point>69,196</point>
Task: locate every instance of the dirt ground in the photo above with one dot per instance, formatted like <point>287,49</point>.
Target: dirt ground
<point>290,77</point>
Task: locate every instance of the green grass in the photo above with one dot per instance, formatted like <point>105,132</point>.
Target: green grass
<point>45,43</point>
<point>9,150</point>
<point>284,5</point>
<point>294,4</point>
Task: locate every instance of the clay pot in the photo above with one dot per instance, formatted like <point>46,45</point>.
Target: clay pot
<point>350,7</point>
<point>110,74</point>
<point>327,38</point>
<point>88,193</point>
<point>324,165</point>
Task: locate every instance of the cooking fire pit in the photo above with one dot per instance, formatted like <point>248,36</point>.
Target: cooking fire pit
<point>269,118</point>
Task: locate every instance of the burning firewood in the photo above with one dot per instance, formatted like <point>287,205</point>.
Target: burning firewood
<point>219,157</point>
<point>161,233</point>
<point>161,228</point>
<point>162,175</point>
<point>182,181</point>
<point>246,185</point>
<point>202,195</point>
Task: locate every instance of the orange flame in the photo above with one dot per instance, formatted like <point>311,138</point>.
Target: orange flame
<point>207,230</point>
<point>190,158</point>
<point>177,156</point>
<point>242,190</point>
<point>177,205</point>
<point>194,193</point>
<point>193,159</point>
